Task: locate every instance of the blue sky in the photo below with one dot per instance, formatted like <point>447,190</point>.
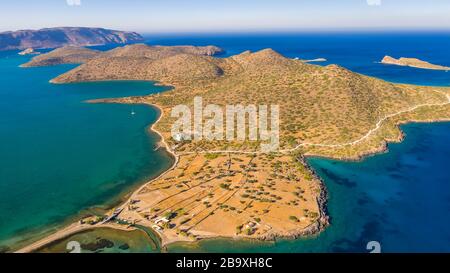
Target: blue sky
<point>226,15</point>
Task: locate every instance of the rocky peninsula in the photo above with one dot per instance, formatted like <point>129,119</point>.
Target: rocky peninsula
<point>28,51</point>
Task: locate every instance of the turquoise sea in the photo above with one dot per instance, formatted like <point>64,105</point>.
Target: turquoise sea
<point>54,147</point>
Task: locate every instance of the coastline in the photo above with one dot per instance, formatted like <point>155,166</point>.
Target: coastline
<point>316,225</point>
<point>313,229</point>
<point>75,228</point>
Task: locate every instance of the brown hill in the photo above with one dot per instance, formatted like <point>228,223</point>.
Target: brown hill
<point>142,62</point>
<point>63,55</point>
<point>265,57</point>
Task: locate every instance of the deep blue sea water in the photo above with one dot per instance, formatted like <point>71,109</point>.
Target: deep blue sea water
<point>54,147</point>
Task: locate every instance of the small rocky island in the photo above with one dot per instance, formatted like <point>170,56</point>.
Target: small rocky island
<point>413,62</point>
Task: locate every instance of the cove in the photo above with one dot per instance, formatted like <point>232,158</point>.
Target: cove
<point>60,156</point>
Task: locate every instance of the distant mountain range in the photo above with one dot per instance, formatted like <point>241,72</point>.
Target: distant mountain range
<point>64,36</point>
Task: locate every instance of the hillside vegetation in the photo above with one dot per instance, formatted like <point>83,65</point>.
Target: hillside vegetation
<point>329,106</point>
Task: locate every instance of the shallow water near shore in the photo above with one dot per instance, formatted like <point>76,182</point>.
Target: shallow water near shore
<point>59,155</point>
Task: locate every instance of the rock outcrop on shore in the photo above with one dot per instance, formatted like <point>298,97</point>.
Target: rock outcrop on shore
<point>413,62</point>
<point>63,55</point>
<point>64,36</point>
